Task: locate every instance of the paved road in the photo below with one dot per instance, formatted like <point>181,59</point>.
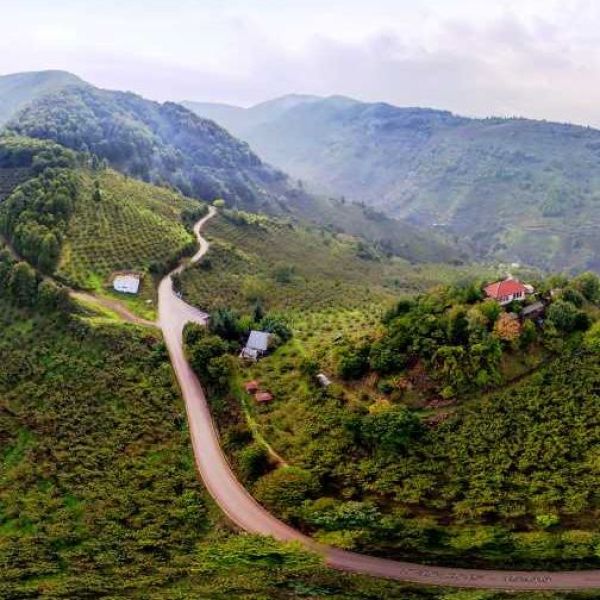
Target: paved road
<point>246,513</point>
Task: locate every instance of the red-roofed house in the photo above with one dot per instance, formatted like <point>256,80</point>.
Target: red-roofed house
<point>507,291</point>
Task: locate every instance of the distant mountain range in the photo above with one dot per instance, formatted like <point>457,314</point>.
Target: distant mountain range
<point>167,144</point>
<point>516,190</point>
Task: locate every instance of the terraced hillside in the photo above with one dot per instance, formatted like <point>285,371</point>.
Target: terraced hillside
<point>119,223</point>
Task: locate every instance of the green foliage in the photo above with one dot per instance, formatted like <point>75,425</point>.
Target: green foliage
<point>589,285</point>
<point>566,317</point>
<point>390,431</point>
<point>22,286</point>
<point>35,217</point>
<point>253,462</point>
<point>247,250</point>
<point>159,143</point>
<point>134,226</point>
<point>353,362</point>
<point>285,489</point>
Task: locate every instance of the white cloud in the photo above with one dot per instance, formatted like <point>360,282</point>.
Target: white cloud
<point>538,58</point>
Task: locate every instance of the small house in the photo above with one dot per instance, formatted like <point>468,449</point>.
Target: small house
<point>251,387</point>
<point>533,311</point>
<point>263,397</point>
<point>507,291</point>
<point>323,380</point>
<point>126,284</point>
<point>256,346</point>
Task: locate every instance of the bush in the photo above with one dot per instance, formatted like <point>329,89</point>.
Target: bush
<point>390,431</point>
<point>253,462</point>
<point>285,489</point>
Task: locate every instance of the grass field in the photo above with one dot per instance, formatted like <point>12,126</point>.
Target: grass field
<point>131,226</point>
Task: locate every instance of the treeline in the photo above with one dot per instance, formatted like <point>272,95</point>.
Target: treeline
<point>460,337</point>
<point>35,216</point>
<point>23,287</point>
<point>38,155</point>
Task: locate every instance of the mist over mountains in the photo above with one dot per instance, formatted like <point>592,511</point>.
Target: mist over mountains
<point>517,190</point>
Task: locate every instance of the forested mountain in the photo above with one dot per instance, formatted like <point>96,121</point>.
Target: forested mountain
<point>518,190</point>
<point>21,88</point>
<point>166,144</point>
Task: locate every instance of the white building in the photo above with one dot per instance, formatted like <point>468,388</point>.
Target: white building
<point>126,284</point>
<point>257,345</point>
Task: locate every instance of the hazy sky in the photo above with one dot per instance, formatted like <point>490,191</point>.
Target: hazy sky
<point>537,58</point>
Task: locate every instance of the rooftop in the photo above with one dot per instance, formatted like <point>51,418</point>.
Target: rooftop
<point>507,287</point>
<point>130,284</point>
<point>258,340</point>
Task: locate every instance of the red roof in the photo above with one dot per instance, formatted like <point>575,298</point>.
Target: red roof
<point>508,287</point>
<point>263,397</point>
<point>251,386</point>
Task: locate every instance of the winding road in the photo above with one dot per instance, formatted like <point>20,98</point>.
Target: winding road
<point>246,513</point>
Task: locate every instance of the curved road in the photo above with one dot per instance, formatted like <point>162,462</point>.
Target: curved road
<point>246,513</point>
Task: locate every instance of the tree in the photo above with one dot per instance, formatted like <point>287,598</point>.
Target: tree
<point>589,285</point>
<point>285,489</point>
<point>354,362</point>
<point>23,284</point>
<point>566,317</point>
<point>203,351</point>
<point>507,327</point>
<point>225,323</point>
<point>253,461</point>
<point>277,325</point>
<point>97,194</point>
<point>390,430</point>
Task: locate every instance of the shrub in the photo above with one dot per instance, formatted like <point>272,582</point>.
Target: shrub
<point>285,489</point>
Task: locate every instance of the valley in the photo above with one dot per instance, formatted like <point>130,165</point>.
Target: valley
<point>400,424</point>
<point>516,190</point>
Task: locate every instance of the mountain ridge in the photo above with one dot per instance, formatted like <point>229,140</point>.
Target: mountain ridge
<point>166,144</point>
<point>517,189</point>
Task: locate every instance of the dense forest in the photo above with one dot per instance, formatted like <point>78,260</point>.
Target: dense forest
<point>160,143</point>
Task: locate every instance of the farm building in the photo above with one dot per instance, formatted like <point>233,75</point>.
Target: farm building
<point>533,311</point>
<point>508,290</point>
<point>126,284</point>
<point>251,387</point>
<point>263,397</point>
<point>257,345</point>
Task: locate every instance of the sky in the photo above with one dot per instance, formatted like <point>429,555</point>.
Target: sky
<point>533,58</point>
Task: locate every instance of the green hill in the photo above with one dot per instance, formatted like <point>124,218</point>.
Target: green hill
<point>16,91</point>
<point>285,266</point>
<point>517,190</point>
<point>130,225</point>
<point>98,488</point>
<point>452,430</point>
<point>82,223</point>
<point>166,144</point>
